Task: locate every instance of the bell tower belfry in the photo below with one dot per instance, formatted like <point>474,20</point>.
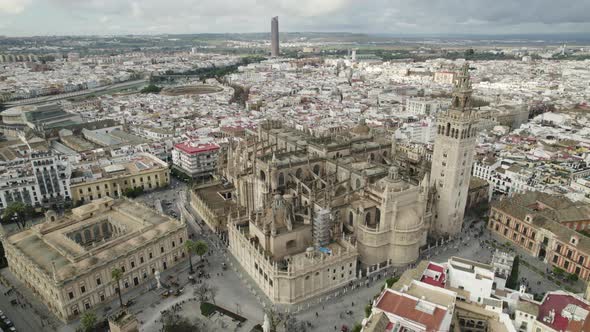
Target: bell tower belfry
<point>454,149</point>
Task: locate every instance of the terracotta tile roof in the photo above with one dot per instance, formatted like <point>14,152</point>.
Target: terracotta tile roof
<point>405,306</point>
<point>548,212</point>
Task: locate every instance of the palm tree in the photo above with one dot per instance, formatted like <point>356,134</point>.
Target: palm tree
<point>190,246</point>
<point>201,248</point>
<point>18,212</point>
<point>88,321</point>
<point>116,274</point>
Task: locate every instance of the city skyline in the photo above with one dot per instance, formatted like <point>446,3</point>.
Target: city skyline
<point>65,17</point>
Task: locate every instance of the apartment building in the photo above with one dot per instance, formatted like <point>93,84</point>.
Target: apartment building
<point>41,180</point>
<point>195,159</point>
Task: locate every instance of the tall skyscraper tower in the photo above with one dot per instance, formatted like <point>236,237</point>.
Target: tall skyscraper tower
<point>274,36</point>
<point>454,149</point>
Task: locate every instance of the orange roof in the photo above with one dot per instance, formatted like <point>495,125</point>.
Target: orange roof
<point>404,306</point>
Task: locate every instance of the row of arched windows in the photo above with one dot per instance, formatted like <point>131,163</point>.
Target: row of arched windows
<point>455,132</point>
<point>368,220</point>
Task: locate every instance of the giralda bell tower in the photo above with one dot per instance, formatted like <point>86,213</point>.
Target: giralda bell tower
<point>454,149</point>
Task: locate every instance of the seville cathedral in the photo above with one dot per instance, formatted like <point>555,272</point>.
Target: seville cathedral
<point>309,208</point>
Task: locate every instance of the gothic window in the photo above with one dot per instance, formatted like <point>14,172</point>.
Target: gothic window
<point>281,179</point>
<point>372,156</point>
<point>105,229</point>
<point>96,231</point>
<point>377,216</point>
<point>262,176</point>
<point>298,173</point>
<point>291,244</point>
<point>350,218</point>
<point>316,169</point>
<point>87,235</point>
<point>368,218</point>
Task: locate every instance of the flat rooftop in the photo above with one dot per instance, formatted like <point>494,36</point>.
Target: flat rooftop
<point>213,195</point>
<point>91,235</point>
<point>138,163</point>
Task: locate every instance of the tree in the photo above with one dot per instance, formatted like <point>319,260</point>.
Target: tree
<point>204,292</point>
<point>191,247</point>
<point>292,324</point>
<point>558,271</point>
<point>117,274</point>
<point>201,248</point>
<point>88,321</point>
<point>3,262</point>
<point>152,88</point>
<point>275,318</point>
<point>368,310</point>
<point>133,192</point>
<point>357,328</point>
<point>18,212</point>
<point>173,323</point>
<point>512,281</point>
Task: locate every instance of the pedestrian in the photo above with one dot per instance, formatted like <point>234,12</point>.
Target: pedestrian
<point>316,314</point>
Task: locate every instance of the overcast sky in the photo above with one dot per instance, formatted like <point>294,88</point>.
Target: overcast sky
<point>76,17</point>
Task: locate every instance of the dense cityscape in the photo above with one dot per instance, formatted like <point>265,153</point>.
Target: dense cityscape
<point>294,181</point>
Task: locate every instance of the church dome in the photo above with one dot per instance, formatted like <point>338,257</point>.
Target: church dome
<point>407,218</point>
<point>361,129</point>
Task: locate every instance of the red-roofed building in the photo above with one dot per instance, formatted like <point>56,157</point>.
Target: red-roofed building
<point>434,275</point>
<point>561,311</point>
<point>409,313</point>
<point>195,159</point>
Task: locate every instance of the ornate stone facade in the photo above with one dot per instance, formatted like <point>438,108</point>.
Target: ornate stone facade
<point>452,159</point>
<point>67,260</point>
<point>350,194</point>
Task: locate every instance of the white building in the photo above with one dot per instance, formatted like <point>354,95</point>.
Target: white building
<point>418,132</point>
<point>485,169</point>
<point>195,159</point>
<point>581,185</point>
<point>476,278</point>
<point>417,307</point>
<point>425,106</point>
<point>444,77</point>
<point>41,180</point>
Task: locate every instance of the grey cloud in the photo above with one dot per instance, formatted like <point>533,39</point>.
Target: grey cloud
<point>376,16</point>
